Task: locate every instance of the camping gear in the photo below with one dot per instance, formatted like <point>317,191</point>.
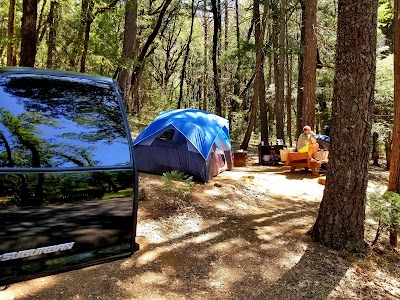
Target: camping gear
<point>192,141</point>
<point>240,158</point>
<point>323,141</point>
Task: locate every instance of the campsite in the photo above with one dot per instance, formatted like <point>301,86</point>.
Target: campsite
<point>199,149</point>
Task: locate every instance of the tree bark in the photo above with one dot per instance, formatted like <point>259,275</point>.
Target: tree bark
<point>183,74</point>
<point>10,46</point>
<point>263,107</point>
<point>236,86</point>
<point>205,60</point>
<point>218,104</point>
<point>259,36</point>
<point>340,222</point>
<point>394,175</point>
<point>310,63</point>
<point>289,98</point>
<point>28,33</point>
<point>128,51</point>
<point>300,80</point>
<point>375,151</point>
<point>53,24</point>
<point>280,87</point>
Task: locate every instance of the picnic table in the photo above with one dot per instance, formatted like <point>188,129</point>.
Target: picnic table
<point>304,160</point>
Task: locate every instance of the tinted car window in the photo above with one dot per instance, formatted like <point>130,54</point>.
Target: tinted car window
<point>48,121</point>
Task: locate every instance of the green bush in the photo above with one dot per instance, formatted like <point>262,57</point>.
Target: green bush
<point>177,185</point>
<point>385,209</point>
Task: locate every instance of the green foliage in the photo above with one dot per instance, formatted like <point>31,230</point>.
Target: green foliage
<point>385,12</point>
<point>177,185</point>
<point>384,207</point>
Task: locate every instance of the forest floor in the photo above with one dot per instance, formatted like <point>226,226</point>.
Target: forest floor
<point>243,235</point>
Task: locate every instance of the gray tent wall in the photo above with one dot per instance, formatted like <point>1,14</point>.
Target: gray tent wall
<point>157,156</point>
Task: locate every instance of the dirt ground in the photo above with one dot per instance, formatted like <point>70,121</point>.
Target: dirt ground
<point>240,236</point>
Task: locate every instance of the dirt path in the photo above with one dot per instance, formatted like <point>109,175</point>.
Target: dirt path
<point>240,236</point>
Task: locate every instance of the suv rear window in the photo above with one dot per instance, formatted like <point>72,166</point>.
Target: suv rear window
<point>48,121</point>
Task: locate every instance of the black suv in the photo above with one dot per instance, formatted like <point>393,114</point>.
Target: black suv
<point>67,177</point>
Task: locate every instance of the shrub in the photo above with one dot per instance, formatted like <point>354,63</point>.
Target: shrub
<point>385,209</point>
<point>177,185</point>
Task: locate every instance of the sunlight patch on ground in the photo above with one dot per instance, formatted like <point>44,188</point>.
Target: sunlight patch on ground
<point>34,286</point>
<point>153,278</point>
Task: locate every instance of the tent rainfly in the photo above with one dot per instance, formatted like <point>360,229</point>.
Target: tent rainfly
<point>192,141</point>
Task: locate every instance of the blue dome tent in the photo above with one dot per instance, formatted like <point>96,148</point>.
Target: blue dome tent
<point>192,141</point>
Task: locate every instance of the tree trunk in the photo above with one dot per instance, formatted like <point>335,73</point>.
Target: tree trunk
<point>280,87</point>
<point>394,175</point>
<point>236,86</point>
<point>289,98</point>
<point>388,150</point>
<point>128,50</point>
<point>90,16</point>
<point>259,36</point>
<point>340,222</point>
<point>218,104</point>
<point>375,149</point>
<point>183,74</point>
<point>205,61</point>
<point>28,33</point>
<point>263,107</point>
<point>299,105</point>
<point>137,69</point>
<point>310,63</point>
<point>10,46</point>
<point>53,24</point>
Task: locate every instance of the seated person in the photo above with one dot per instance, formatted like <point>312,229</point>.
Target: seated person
<point>307,142</point>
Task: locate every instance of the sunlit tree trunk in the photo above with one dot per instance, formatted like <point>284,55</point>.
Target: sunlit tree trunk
<point>394,176</point>
<point>300,63</point>
<point>340,222</point>
<point>53,25</point>
<point>289,63</point>
<point>280,87</point>
<point>259,36</point>
<point>128,51</point>
<point>28,33</point>
<point>10,46</point>
<point>263,107</point>
<point>310,63</point>
<point>205,60</point>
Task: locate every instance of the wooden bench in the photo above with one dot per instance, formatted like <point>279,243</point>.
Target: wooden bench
<point>302,160</point>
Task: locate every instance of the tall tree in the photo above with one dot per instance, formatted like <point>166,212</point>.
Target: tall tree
<point>309,67</point>
<point>300,79</point>
<point>28,33</point>
<point>280,86</point>
<point>89,18</point>
<point>183,73</point>
<point>139,62</point>
<point>217,20</point>
<point>10,46</point>
<point>205,55</point>
<point>340,222</point>
<point>53,24</point>
<point>259,37</point>
<point>128,47</point>
<point>236,86</point>
<point>394,176</point>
